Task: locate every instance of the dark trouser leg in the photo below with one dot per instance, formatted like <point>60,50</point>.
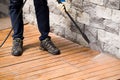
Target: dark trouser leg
<point>42,14</point>
<point>14,8</point>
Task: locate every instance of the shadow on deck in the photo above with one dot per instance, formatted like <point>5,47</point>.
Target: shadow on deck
<point>75,62</point>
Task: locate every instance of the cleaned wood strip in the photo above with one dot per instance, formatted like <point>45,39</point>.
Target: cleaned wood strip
<point>99,77</point>
<point>90,72</point>
<point>102,73</point>
<point>85,71</point>
<point>100,60</point>
<point>114,77</point>
<point>81,56</point>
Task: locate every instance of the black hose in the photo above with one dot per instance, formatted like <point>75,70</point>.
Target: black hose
<point>84,36</point>
<point>14,24</point>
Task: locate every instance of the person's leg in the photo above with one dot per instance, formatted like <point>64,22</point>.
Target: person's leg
<point>15,6</point>
<point>42,14</point>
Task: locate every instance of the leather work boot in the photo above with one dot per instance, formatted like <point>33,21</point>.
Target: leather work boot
<point>17,48</point>
<point>48,45</point>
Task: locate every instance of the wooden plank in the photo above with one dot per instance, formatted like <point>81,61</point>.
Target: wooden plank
<point>28,68</point>
<point>90,68</point>
<point>75,63</point>
<point>28,45</point>
<point>114,77</point>
<point>30,40</point>
<point>85,56</point>
<point>50,74</point>
<point>96,75</point>
<point>52,57</point>
<point>9,60</point>
<point>108,74</point>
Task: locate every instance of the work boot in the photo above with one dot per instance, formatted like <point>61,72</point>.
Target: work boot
<point>17,48</point>
<point>48,45</point>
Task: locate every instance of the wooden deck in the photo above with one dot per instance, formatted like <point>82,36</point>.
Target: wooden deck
<point>75,62</point>
<point>5,23</point>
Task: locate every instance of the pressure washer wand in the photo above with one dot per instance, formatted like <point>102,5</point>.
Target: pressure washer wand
<point>84,36</point>
<point>14,24</point>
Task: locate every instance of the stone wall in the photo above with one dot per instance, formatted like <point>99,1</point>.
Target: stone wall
<point>4,8</point>
<point>98,19</point>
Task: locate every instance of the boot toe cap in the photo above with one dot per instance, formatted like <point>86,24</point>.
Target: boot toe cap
<point>17,53</point>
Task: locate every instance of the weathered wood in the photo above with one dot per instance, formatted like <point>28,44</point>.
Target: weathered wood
<point>75,62</point>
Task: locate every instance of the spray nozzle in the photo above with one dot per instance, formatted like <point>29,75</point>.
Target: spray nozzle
<point>60,1</point>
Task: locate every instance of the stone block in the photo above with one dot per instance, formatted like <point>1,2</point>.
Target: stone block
<point>70,35</point>
<point>81,26</point>
<point>99,2</point>
<point>81,40</point>
<point>29,13</point>
<point>109,38</point>
<point>90,34</point>
<point>113,4</point>
<point>116,16</point>
<point>77,3</point>
<point>58,30</point>
<point>96,46</point>
<point>83,18</point>
<point>97,22</point>
<point>89,8</point>
<point>103,12</point>
<point>111,26</point>
<point>73,13</point>
<point>108,48</point>
<point>118,54</point>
